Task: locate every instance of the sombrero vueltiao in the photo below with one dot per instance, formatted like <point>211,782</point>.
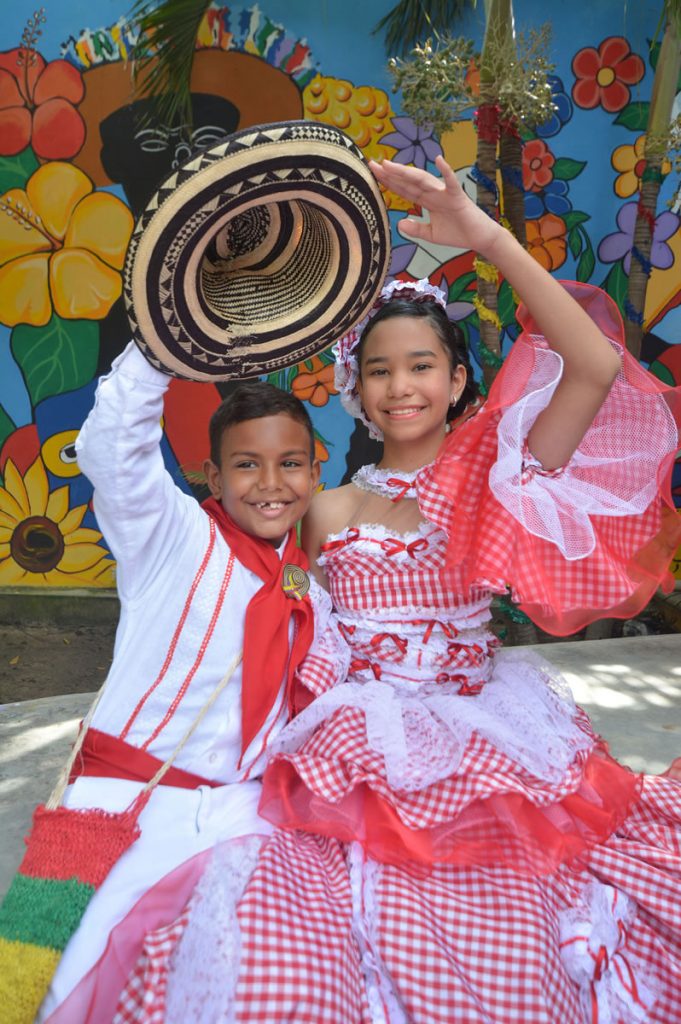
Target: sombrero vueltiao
<point>257,253</point>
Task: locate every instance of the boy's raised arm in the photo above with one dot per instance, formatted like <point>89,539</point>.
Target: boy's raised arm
<point>140,511</point>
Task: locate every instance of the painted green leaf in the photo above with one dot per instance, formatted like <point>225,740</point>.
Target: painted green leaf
<point>574,217</point>
<point>7,426</point>
<point>662,372</point>
<point>565,168</point>
<point>575,242</point>
<point>634,116</point>
<point>506,305</point>
<point>16,170</point>
<point>616,284</point>
<point>458,287</point>
<point>586,265</point>
<point>59,357</point>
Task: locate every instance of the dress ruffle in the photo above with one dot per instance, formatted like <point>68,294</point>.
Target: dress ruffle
<point>594,538</point>
<point>513,775</point>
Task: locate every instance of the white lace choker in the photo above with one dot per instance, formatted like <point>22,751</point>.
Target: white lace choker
<point>390,483</point>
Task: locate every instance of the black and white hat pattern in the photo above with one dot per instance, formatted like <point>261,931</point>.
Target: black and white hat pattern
<point>257,253</point>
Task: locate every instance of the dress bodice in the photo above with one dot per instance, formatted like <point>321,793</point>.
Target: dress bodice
<point>403,614</point>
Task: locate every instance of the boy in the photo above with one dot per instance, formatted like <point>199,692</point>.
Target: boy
<point>196,585</point>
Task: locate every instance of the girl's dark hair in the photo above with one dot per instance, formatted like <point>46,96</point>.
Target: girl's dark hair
<point>448,332</point>
<point>252,400</point>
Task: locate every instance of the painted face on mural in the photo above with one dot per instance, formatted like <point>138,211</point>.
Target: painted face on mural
<point>139,153</point>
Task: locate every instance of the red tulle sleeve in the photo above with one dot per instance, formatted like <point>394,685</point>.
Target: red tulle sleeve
<point>592,539</point>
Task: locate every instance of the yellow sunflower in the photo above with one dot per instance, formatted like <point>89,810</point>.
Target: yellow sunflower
<point>41,540</point>
<point>62,248</point>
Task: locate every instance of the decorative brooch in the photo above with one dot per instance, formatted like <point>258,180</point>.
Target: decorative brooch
<point>295,582</point>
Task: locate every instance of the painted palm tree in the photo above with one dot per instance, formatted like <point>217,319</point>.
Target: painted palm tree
<point>665,86</point>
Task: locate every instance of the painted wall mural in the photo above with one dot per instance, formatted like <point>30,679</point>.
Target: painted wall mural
<point>78,163</point>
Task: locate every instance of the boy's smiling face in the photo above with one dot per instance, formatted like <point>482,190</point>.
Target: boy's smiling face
<point>266,477</point>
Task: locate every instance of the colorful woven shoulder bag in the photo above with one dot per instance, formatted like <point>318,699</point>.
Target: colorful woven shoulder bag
<point>69,854</point>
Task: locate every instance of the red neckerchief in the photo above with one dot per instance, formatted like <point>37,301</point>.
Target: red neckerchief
<point>266,625</point>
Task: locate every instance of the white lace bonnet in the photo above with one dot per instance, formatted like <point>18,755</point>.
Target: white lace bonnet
<point>347,367</point>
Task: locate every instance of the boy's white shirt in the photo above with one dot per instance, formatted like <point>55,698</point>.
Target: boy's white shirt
<point>159,536</point>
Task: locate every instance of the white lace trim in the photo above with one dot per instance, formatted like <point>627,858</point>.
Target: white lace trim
<point>377,480</point>
<point>526,711</point>
<point>594,951</point>
<point>205,964</point>
<point>381,993</point>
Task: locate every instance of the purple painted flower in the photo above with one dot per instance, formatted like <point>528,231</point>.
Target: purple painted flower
<point>401,257</point>
<point>620,243</point>
<point>414,145</point>
<point>456,310</point>
<point>550,199</point>
<point>563,112</point>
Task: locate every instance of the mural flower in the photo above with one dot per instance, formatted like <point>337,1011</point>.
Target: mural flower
<point>538,161</point>
<point>314,385</point>
<point>414,145</point>
<point>38,106</point>
<point>550,199</point>
<point>546,240</point>
<point>619,244</point>
<point>459,309</point>
<point>41,539</point>
<point>563,109</point>
<point>62,247</point>
<point>604,75</point>
<point>629,160</point>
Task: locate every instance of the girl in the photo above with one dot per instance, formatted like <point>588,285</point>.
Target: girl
<point>455,843</point>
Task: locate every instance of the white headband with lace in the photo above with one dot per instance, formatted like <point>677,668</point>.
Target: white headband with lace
<point>347,368</point>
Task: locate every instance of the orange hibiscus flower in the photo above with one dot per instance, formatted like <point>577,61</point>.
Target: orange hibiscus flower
<point>546,240</point>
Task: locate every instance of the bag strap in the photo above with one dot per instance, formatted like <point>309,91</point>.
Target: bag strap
<point>57,794</point>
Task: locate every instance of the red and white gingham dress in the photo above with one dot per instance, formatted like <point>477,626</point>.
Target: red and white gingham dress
<point>455,844</point>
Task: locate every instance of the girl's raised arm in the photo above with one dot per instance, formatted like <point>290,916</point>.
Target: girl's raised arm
<point>590,362</point>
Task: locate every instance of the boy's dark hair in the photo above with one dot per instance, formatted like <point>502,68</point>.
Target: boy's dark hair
<point>448,332</point>
<point>252,400</point>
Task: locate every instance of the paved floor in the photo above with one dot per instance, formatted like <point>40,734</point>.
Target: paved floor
<point>631,687</point>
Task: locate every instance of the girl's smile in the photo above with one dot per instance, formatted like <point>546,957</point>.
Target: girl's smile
<point>406,386</point>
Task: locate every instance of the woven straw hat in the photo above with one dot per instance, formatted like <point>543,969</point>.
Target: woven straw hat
<point>257,253</point>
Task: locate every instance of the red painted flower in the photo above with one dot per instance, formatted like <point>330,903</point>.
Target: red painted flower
<point>604,75</point>
<point>538,161</point>
<point>37,106</point>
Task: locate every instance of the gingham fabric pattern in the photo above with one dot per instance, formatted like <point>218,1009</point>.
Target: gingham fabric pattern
<point>477,945</point>
<point>143,1000</point>
<point>489,543</point>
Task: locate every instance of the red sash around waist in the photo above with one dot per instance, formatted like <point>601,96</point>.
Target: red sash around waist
<point>112,758</point>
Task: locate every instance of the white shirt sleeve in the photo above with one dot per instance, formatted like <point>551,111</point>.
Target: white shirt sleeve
<point>141,512</point>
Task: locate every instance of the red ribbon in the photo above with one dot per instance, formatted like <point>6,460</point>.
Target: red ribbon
<point>400,643</point>
<point>335,545</point>
<point>360,664</point>
<point>393,546</point>
<point>405,485</point>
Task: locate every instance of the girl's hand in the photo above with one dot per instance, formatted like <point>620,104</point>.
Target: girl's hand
<point>454,218</point>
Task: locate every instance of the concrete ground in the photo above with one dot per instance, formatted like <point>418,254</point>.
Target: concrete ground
<point>631,687</point>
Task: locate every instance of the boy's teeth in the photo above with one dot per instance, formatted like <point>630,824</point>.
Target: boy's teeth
<point>270,504</point>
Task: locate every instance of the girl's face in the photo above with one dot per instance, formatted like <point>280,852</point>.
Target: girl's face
<point>406,381</point>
